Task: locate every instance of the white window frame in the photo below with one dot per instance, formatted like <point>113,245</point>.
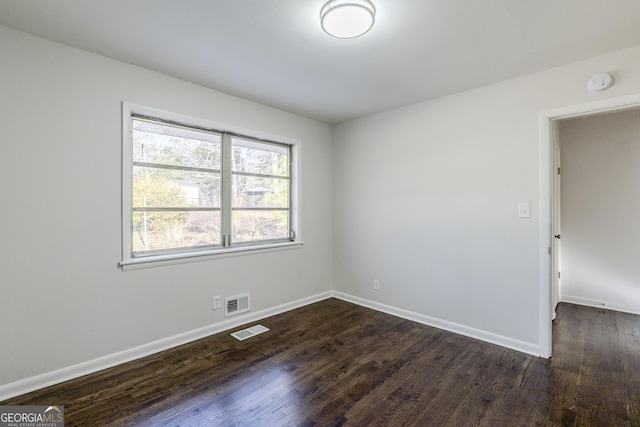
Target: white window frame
<point>129,262</point>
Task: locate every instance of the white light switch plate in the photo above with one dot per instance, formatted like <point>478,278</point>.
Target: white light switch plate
<point>524,210</point>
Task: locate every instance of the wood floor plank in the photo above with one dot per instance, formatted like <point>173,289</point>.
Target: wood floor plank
<point>337,364</point>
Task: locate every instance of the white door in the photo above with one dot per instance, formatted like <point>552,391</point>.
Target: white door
<point>556,225</point>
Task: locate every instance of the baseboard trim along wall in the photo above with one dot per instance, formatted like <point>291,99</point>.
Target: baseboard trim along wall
<point>598,304</point>
<point>489,337</point>
<point>47,379</point>
<point>54,377</point>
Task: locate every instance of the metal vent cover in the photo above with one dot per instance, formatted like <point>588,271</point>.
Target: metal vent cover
<point>236,304</point>
<point>249,332</point>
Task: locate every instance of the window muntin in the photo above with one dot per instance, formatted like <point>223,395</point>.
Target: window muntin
<point>185,180</point>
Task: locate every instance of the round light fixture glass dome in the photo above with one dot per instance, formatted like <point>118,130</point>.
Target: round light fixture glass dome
<point>347,19</point>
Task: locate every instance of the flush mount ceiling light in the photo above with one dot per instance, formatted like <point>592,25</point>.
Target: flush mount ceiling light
<point>347,19</point>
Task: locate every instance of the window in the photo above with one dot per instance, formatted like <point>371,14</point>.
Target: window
<point>260,205</point>
<point>195,189</point>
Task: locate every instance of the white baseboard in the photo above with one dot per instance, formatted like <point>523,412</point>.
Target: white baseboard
<point>27,385</point>
<point>492,338</point>
<point>599,304</point>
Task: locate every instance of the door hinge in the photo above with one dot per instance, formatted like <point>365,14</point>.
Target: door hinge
<point>558,274</point>
<point>549,250</point>
<point>558,171</point>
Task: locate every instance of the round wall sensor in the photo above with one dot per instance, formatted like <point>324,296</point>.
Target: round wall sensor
<point>599,82</point>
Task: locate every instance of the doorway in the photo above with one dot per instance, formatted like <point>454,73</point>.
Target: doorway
<point>600,211</point>
<point>550,254</point>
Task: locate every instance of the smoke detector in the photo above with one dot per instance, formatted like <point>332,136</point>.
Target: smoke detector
<point>600,81</point>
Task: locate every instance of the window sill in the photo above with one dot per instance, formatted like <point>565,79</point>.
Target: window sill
<point>164,260</point>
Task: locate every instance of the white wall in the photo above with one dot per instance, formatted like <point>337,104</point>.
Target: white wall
<point>423,198</point>
<point>62,298</point>
<point>600,210</point>
<point>426,199</point>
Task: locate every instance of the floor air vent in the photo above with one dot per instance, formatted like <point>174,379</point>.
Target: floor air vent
<point>236,305</point>
<point>249,332</point>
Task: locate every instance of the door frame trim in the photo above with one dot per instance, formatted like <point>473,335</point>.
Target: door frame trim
<point>545,119</point>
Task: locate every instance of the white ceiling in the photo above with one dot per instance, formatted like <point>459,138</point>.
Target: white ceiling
<point>274,51</point>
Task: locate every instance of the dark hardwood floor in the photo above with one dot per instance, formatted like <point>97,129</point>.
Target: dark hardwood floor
<point>334,363</point>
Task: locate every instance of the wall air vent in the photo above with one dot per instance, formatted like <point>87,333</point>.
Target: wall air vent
<point>236,305</point>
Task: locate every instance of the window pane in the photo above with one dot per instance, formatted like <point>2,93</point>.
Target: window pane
<point>251,191</point>
<point>169,145</point>
<point>170,230</point>
<point>255,157</point>
<point>259,225</point>
<point>153,187</point>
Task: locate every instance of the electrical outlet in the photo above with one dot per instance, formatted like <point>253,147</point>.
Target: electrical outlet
<point>376,284</point>
<point>216,303</point>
